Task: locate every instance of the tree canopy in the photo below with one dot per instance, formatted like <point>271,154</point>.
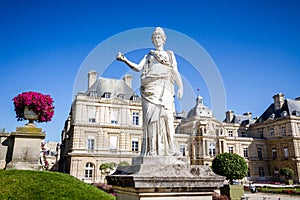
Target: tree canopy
<point>230,165</point>
<point>288,173</point>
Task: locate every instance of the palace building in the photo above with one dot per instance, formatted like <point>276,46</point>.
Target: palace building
<point>105,126</point>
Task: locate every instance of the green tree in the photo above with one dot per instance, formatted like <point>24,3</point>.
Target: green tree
<point>288,173</point>
<point>123,163</point>
<point>107,166</point>
<point>230,165</point>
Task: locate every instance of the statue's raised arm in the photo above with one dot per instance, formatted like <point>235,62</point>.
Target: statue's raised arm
<point>157,92</point>
<point>135,67</point>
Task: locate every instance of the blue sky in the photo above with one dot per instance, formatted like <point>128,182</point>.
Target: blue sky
<point>255,45</point>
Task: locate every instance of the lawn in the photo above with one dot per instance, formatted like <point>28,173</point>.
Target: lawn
<point>23,184</point>
<point>280,190</point>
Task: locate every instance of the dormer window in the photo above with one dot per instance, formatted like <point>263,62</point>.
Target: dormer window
<point>107,95</point>
<point>284,114</point>
<point>121,96</point>
<point>135,98</point>
<point>296,113</point>
<point>93,93</point>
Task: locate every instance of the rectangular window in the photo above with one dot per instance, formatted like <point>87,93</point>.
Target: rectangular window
<point>182,149</point>
<point>91,114</point>
<point>92,120</point>
<point>212,149</point>
<point>271,132</point>
<point>114,114</point>
<point>230,149</point>
<point>274,153</point>
<point>113,141</point>
<point>286,152</point>
<point>135,118</point>
<point>230,133</point>
<point>283,131</point>
<point>261,172</point>
<point>243,133</point>
<point>261,134</point>
<point>259,152</point>
<point>90,144</point>
<point>245,152</point>
<point>135,145</point>
<point>113,121</point>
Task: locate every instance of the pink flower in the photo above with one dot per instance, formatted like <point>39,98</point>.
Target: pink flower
<point>39,103</point>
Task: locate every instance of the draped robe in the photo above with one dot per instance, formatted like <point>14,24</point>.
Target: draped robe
<point>157,92</point>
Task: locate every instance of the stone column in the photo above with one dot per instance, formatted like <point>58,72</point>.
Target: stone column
<point>24,148</point>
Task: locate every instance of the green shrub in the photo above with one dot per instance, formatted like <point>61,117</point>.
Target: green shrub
<point>288,173</point>
<point>230,165</point>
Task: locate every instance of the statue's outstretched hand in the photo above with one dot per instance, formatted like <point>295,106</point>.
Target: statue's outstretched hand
<point>179,93</point>
<point>120,57</point>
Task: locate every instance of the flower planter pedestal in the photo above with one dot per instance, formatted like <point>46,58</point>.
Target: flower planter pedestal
<point>30,116</point>
<point>235,192</point>
<point>289,182</point>
<point>24,148</point>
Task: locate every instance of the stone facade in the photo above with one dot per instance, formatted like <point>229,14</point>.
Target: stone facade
<point>105,125</point>
<point>209,137</point>
<point>276,143</point>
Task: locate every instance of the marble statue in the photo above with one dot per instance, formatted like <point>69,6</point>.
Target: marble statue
<point>159,71</point>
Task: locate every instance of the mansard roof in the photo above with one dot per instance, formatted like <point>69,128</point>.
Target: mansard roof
<point>243,119</point>
<point>288,108</point>
<point>113,87</point>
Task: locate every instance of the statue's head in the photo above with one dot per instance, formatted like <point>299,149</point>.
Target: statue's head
<point>159,31</point>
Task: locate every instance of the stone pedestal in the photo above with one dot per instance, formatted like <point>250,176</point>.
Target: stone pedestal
<point>170,178</point>
<point>24,148</point>
<point>234,192</point>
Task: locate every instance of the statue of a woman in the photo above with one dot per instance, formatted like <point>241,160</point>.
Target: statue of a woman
<point>157,92</point>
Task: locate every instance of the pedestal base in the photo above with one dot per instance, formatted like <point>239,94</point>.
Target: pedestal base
<point>24,148</point>
<point>152,178</point>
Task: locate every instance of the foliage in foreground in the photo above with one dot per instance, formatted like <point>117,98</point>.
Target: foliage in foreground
<point>22,184</point>
<point>230,165</point>
<point>288,173</point>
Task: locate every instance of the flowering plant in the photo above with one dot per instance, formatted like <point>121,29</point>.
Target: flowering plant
<point>40,104</point>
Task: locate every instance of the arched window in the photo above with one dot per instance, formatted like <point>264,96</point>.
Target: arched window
<point>261,172</point>
<point>89,169</point>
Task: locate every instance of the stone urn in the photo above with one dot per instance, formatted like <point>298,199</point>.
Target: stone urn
<point>30,115</point>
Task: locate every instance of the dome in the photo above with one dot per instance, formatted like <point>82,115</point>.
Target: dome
<point>200,109</point>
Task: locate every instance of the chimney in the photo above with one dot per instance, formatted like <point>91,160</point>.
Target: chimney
<point>128,80</point>
<point>248,114</point>
<point>92,78</point>
<point>229,116</point>
<point>278,101</point>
